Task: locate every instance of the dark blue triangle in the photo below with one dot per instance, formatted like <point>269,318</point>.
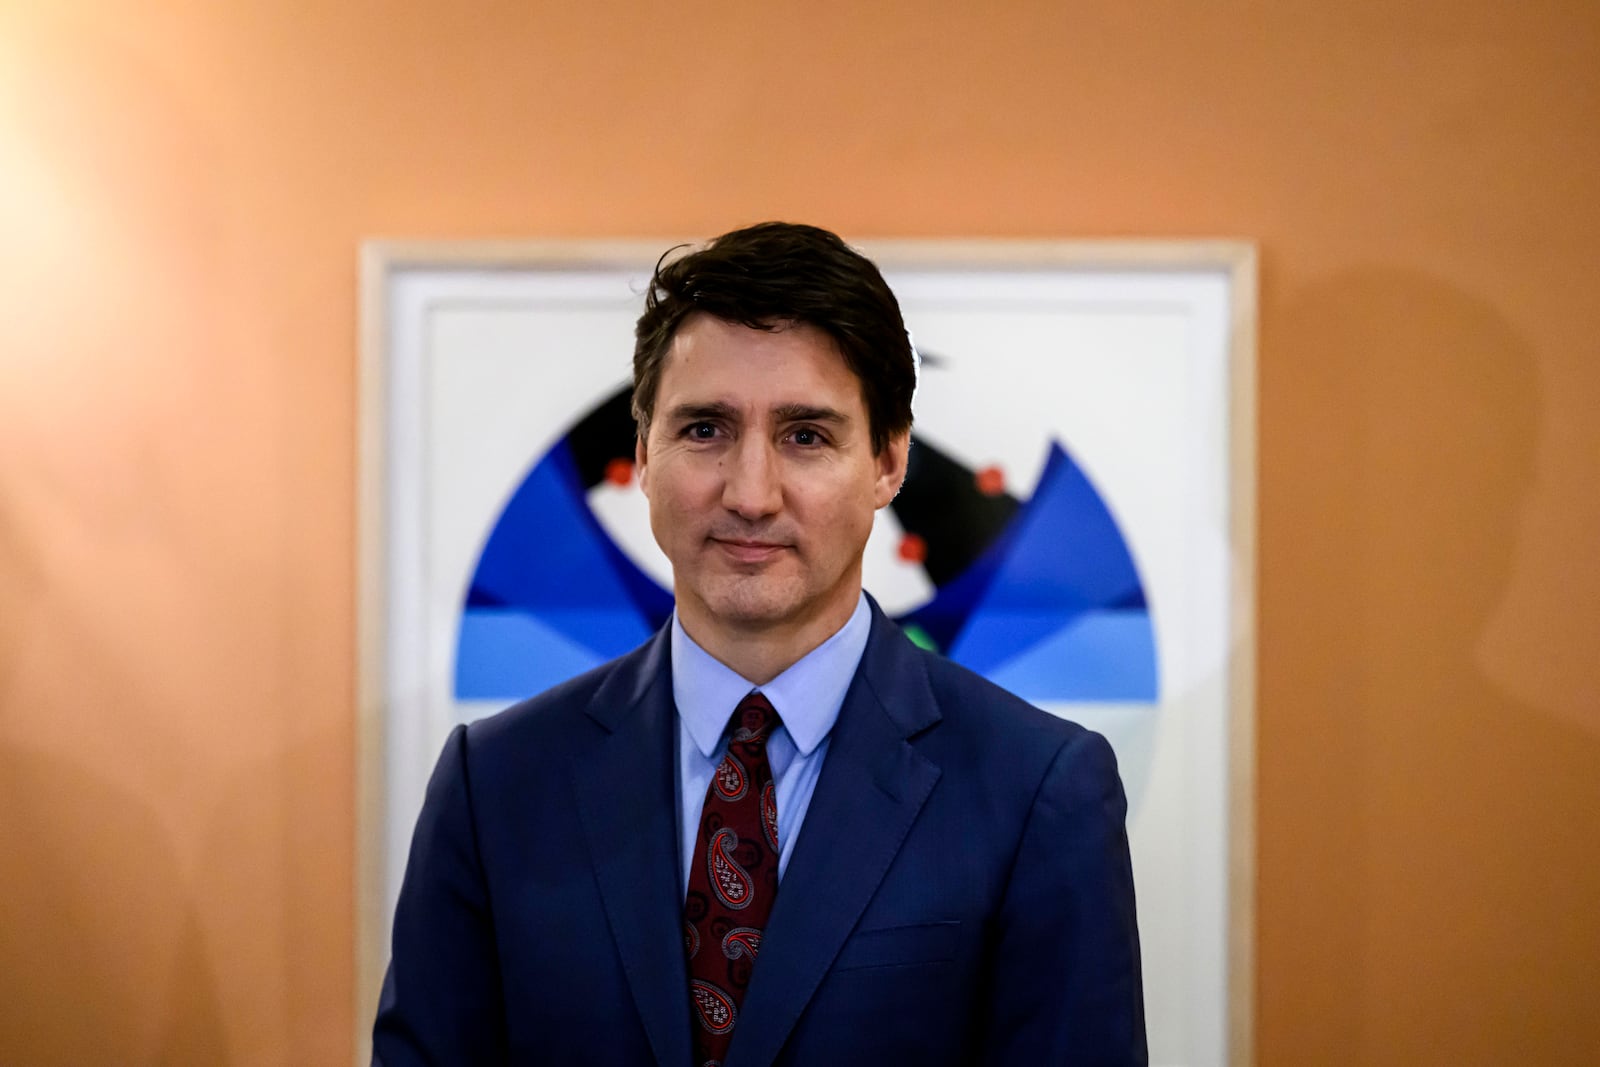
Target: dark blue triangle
<point>548,557</point>
<point>1066,557</point>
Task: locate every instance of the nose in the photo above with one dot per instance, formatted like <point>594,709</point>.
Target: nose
<point>751,484</point>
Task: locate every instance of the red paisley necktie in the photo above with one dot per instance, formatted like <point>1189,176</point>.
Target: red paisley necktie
<point>733,878</point>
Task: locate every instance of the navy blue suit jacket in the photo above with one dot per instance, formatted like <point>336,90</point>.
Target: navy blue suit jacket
<point>960,891</point>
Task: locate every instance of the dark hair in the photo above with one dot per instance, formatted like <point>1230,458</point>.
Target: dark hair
<point>771,276</point>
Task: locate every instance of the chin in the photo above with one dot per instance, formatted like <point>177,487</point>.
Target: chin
<point>754,604</point>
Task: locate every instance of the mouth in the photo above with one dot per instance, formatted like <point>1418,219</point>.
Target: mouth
<point>741,550</point>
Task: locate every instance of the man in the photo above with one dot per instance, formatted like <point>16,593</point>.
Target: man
<point>778,832</point>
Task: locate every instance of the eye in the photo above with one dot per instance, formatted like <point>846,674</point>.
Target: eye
<point>700,431</point>
<point>807,438</point>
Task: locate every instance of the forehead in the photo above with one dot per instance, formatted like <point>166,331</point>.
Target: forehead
<point>711,359</point>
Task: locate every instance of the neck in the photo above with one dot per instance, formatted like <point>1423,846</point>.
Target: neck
<point>759,653</point>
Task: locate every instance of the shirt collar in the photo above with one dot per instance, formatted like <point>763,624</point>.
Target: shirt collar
<point>807,696</point>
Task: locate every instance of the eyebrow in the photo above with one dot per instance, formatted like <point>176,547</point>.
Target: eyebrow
<point>809,413</point>
<point>783,412</point>
<point>696,412</point>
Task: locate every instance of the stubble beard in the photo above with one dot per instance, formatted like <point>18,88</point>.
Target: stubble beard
<point>753,603</point>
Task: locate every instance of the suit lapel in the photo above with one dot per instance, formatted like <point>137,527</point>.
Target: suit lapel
<point>873,784</point>
<point>626,797</point>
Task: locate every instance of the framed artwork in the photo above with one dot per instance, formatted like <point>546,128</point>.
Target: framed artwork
<point>1077,524</point>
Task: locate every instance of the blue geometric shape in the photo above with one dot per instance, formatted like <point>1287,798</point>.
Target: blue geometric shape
<point>539,517</point>
<point>504,653</point>
<point>1053,608</point>
<point>1065,557</point>
<point>944,617</point>
<point>549,560</point>
<point>1069,551</point>
<point>547,516</point>
<point>1102,656</point>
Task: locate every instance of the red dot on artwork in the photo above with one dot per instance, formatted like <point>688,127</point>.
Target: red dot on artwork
<point>991,481</point>
<point>619,472</point>
<point>913,549</point>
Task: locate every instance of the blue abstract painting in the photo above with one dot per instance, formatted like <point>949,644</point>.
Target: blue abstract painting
<point>1040,595</point>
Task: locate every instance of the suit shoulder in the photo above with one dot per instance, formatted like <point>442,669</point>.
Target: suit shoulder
<point>985,724</point>
<point>1005,754</point>
<point>966,698</point>
<point>558,710</point>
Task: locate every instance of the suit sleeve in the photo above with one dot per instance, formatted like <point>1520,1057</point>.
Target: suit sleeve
<point>441,1000</point>
<point>1066,985</point>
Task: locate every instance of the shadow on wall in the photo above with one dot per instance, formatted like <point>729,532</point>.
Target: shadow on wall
<point>1429,841</point>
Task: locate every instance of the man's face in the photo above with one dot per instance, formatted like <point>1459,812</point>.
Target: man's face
<point>761,478</point>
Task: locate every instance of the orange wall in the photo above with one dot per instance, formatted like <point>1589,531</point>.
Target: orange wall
<point>182,190</point>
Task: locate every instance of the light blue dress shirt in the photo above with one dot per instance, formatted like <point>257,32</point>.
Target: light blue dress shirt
<point>807,698</point>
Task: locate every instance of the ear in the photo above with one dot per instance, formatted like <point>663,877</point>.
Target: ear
<point>891,469</point>
<point>639,467</point>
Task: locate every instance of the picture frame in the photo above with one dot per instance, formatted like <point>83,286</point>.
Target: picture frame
<point>1122,371</point>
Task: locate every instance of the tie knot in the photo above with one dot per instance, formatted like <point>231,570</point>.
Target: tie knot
<point>754,718</point>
